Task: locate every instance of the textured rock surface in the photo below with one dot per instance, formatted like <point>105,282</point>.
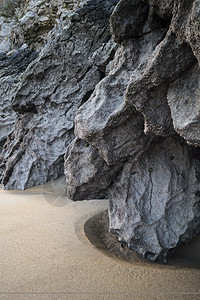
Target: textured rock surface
<point>87,174</point>
<point>186,23</point>
<point>30,21</point>
<point>105,120</point>
<point>154,202</point>
<point>134,15</point>
<point>49,93</point>
<point>135,106</point>
<point>10,70</point>
<point>36,19</point>
<point>147,90</point>
<point>163,8</point>
<point>150,92</point>
<point>184,101</point>
<point>7,115</point>
<point>5,34</point>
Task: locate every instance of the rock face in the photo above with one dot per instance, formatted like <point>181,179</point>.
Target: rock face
<point>31,21</point>
<point>10,70</point>
<point>134,100</point>
<point>186,113</point>
<point>94,174</point>
<point>135,117</point>
<point>49,93</point>
<point>5,33</point>
<point>154,202</point>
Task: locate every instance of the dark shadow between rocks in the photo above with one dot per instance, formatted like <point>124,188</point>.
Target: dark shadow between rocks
<point>97,231</point>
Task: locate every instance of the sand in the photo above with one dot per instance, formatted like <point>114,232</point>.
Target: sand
<point>45,253</point>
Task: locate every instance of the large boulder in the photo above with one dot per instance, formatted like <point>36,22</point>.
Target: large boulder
<point>154,202</point>
<point>135,117</point>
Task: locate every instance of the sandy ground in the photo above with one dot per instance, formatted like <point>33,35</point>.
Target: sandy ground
<point>45,254</point>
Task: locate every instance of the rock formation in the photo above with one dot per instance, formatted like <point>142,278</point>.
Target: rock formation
<point>150,93</point>
<point>126,74</point>
<point>10,70</point>
<point>49,93</point>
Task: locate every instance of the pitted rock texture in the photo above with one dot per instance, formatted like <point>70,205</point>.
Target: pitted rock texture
<point>134,15</point>
<point>49,93</point>
<point>147,90</point>
<point>5,34</point>
<point>135,117</point>
<point>17,63</point>
<point>163,8</point>
<point>186,23</point>
<point>87,174</point>
<point>105,120</point>
<point>27,156</point>
<point>30,21</point>
<point>184,100</point>
<point>10,71</point>
<point>154,202</point>
<point>134,101</point>
<point>7,116</point>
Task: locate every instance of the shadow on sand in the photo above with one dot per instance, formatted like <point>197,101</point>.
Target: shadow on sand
<point>97,231</point>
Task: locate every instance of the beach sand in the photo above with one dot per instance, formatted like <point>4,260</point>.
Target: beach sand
<point>53,248</point>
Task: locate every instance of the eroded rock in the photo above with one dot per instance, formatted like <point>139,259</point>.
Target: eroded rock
<point>186,24</point>
<point>105,120</point>
<point>7,116</point>
<point>5,34</point>
<point>184,101</point>
<point>51,90</point>
<point>154,204</point>
<point>134,14</point>
<point>135,106</point>
<point>147,90</point>
<point>87,174</point>
<point>149,94</point>
<point>10,71</point>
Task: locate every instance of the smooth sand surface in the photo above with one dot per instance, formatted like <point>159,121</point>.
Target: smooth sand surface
<point>45,254</point>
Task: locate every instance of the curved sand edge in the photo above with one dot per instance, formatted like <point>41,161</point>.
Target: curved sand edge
<point>97,230</point>
<point>46,255</point>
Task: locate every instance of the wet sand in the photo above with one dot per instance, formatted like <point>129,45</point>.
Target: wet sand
<point>97,231</point>
<point>45,253</point>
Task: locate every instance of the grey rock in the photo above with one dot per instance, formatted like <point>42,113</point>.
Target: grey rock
<point>10,70</point>
<point>154,202</point>
<point>147,90</point>
<point>8,86</point>
<point>135,107</point>
<point>184,101</point>
<point>127,19</point>
<point>64,62</point>
<point>186,24</point>
<point>5,33</point>
<point>163,8</point>
<point>49,93</point>
<point>17,63</point>
<point>114,127</point>
<point>87,174</point>
<point>150,93</point>
<point>28,157</point>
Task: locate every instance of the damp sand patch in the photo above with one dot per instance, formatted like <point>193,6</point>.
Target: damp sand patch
<point>97,231</point>
<point>45,251</point>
